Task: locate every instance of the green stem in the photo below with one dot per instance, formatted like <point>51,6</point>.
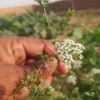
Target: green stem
<point>96,91</point>
<point>48,23</point>
<point>15,93</point>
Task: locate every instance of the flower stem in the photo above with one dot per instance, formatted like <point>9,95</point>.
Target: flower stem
<point>49,23</point>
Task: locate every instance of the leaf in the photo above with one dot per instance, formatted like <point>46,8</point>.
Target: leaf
<point>17,24</point>
<point>78,33</point>
<point>92,61</point>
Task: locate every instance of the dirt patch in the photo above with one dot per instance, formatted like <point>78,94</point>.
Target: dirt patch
<point>15,10</point>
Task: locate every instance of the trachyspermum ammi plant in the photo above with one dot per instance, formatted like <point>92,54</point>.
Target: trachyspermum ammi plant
<point>67,50</point>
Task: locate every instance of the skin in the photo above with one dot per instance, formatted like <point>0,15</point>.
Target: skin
<point>18,59</point>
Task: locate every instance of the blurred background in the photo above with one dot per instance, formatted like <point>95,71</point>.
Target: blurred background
<point>75,19</point>
<point>13,6</point>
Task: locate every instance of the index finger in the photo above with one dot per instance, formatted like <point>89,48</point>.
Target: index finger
<point>35,46</point>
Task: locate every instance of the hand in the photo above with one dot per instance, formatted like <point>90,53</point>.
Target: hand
<point>17,57</point>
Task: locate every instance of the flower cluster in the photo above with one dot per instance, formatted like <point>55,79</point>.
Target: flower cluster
<point>77,64</point>
<point>95,71</point>
<point>69,51</point>
<point>72,80</point>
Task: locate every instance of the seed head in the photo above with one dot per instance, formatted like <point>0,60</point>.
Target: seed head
<point>69,51</point>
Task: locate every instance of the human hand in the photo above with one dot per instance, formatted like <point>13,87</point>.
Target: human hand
<point>17,55</point>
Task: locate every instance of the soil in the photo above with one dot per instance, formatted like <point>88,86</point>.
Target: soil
<point>14,10</point>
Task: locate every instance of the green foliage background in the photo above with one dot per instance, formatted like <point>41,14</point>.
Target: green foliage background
<point>32,24</point>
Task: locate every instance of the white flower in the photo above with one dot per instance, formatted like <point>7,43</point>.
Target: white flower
<point>69,66</point>
<point>95,71</point>
<point>69,51</point>
<point>81,56</point>
<point>77,64</point>
<point>72,80</point>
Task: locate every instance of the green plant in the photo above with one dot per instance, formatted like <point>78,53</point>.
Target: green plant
<point>91,41</point>
<point>87,79</point>
<point>83,80</point>
<point>32,24</point>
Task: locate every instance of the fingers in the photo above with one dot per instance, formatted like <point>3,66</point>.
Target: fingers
<point>49,68</point>
<point>10,76</point>
<point>48,81</point>
<point>34,46</point>
<point>49,48</point>
<point>46,72</point>
<point>22,94</point>
<point>44,69</point>
<point>25,47</point>
<point>61,67</point>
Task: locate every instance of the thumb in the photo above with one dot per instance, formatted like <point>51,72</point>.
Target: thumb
<point>49,68</point>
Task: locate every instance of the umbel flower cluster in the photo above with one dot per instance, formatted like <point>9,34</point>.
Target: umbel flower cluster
<point>69,51</point>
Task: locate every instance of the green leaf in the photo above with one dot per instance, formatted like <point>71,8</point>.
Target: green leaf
<point>78,33</point>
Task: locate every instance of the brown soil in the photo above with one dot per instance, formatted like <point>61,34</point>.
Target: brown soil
<point>14,10</point>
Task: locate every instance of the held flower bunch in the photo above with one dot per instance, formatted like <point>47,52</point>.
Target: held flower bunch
<point>69,51</point>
